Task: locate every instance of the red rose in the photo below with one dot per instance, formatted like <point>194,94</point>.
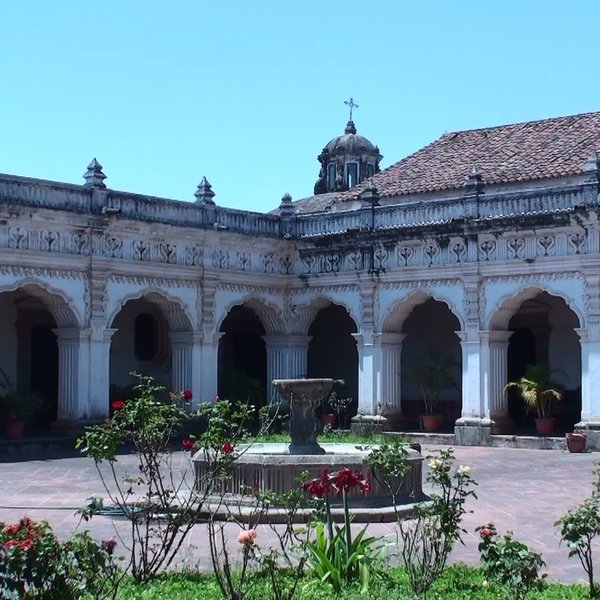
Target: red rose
<point>227,448</point>
<point>117,404</point>
<point>188,444</point>
<point>109,545</point>
<point>187,395</point>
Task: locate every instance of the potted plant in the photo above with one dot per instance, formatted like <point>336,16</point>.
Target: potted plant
<point>334,410</point>
<point>540,394</point>
<point>16,409</point>
<point>432,375</point>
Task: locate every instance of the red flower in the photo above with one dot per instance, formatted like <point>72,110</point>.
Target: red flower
<point>117,404</point>
<point>108,545</point>
<point>346,480</point>
<point>187,395</point>
<point>227,448</point>
<point>319,487</point>
<point>188,444</point>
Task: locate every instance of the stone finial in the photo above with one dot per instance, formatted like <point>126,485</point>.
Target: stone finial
<point>286,207</point>
<point>474,182</point>
<point>370,196</point>
<point>94,177</point>
<point>204,193</point>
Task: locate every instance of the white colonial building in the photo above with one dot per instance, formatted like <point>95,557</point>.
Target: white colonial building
<point>484,244</point>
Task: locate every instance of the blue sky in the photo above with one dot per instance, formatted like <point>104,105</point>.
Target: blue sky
<point>248,93</point>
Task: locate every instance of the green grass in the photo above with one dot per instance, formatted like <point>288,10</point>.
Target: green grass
<point>331,436</point>
<point>459,583</point>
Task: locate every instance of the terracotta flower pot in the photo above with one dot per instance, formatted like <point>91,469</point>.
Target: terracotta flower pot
<point>576,442</point>
<point>431,423</point>
<point>545,426</point>
<point>328,419</point>
<point>14,428</point>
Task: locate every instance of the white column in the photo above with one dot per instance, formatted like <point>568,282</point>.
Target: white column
<point>208,368</point>
<point>69,374</point>
<point>99,373</point>
<point>391,356</point>
<point>472,398</point>
<point>369,372</point>
<point>498,375</point>
<point>181,368</point>
<point>590,373</point>
<point>286,359</point>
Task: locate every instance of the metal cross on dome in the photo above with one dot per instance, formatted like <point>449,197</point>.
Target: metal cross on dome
<point>352,105</point>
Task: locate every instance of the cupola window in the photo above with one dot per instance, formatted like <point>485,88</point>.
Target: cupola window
<point>331,174</point>
<point>351,174</point>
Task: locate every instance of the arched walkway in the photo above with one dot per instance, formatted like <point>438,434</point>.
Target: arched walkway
<point>35,325</point>
<point>422,357</point>
<point>332,351</point>
<point>242,362</point>
<point>150,335</point>
<point>540,330</point>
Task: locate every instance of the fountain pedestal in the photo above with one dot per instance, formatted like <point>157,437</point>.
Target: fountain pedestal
<point>304,396</point>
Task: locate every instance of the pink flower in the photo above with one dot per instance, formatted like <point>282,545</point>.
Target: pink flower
<point>216,399</point>
<point>117,404</point>
<point>187,395</point>
<point>246,537</point>
<point>227,448</point>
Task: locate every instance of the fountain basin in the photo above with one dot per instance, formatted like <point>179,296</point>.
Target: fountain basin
<point>270,467</point>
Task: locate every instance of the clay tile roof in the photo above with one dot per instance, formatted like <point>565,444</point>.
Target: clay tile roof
<point>529,151</point>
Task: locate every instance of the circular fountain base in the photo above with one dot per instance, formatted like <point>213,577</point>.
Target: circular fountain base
<point>270,467</point>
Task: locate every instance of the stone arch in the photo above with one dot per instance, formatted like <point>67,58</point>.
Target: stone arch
<point>59,304</point>
<point>332,349</point>
<point>268,314</point>
<point>397,314</point>
<point>420,332</point>
<point>510,302</point>
<point>304,315</point>
<point>535,325</point>
<point>41,325</point>
<point>171,307</point>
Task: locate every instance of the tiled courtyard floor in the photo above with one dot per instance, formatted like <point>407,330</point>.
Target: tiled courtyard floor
<point>520,490</point>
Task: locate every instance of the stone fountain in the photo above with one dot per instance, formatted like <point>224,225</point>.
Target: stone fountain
<point>277,467</point>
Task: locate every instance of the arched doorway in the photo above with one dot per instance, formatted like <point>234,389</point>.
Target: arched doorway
<point>431,345</point>
<point>242,362</point>
<point>140,344</point>
<point>332,352</point>
<point>29,353</point>
<point>543,333</point>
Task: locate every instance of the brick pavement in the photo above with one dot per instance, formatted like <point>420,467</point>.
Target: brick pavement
<point>522,490</point>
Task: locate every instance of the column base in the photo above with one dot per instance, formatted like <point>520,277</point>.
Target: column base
<point>72,427</point>
<point>502,425</point>
<point>592,432</point>
<point>368,424</point>
<point>473,431</point>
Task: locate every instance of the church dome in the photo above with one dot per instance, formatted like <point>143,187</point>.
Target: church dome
<point>347,160</point>
<point>350,142</point>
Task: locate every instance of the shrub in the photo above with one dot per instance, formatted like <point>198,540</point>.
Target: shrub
<point>509,562</point>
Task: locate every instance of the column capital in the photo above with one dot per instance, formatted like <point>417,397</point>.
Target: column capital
<point>185,337</point>
<point>494,336</point>
<point>286,341</point>
<point>392,338</point>
<point>73,334</point>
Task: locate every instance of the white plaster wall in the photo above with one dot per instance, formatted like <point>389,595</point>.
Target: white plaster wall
<point>226,299</point>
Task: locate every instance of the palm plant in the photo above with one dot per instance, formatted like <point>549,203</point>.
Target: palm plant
<point>537,389</point>
<point>432,375</point>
